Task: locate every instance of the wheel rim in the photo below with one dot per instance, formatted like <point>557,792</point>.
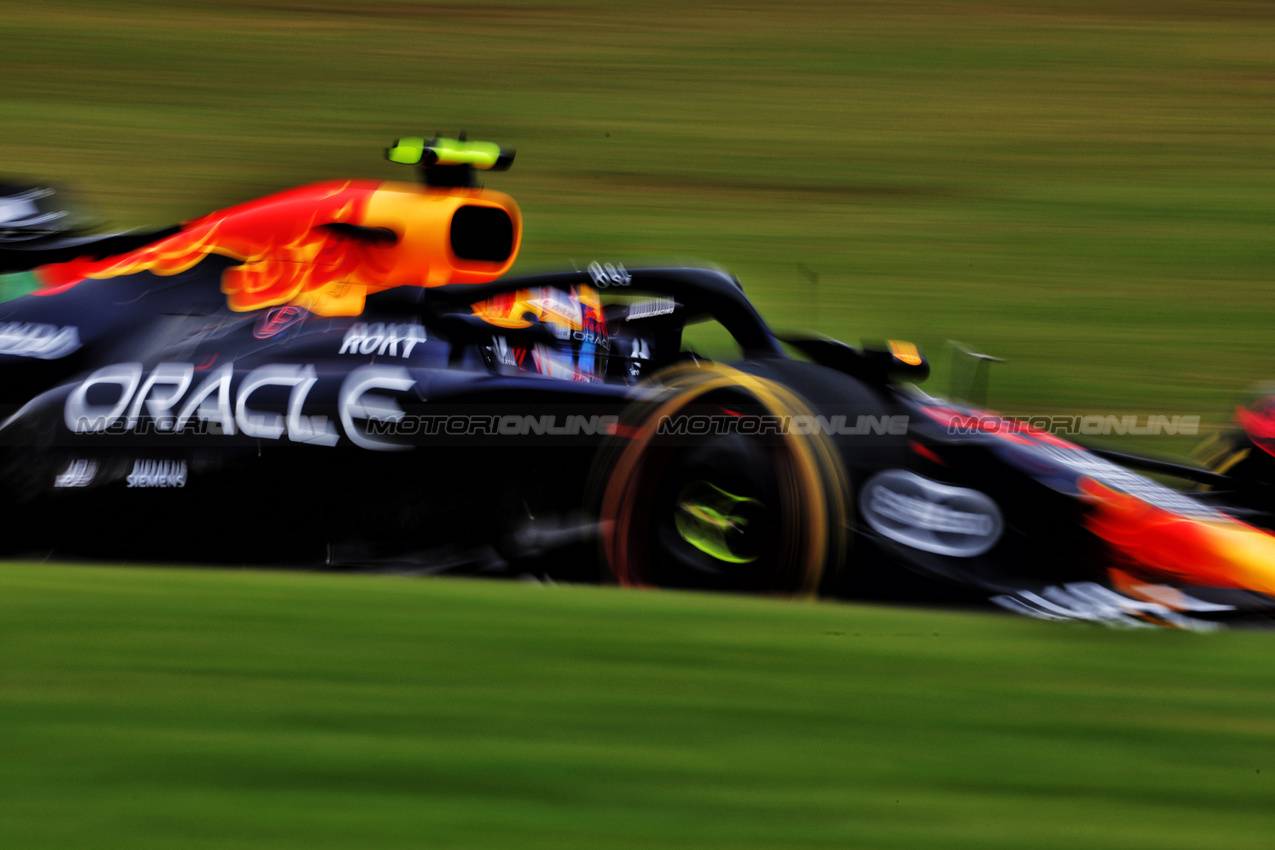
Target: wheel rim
<point>716,516</point>
<point>716,522</point>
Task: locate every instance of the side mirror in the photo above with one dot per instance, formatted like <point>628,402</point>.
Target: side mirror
<point>897,361</point>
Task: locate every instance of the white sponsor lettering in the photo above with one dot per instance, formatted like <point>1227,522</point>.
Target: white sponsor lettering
<point>1095,603</point>
<point>314,429</point>
<point>358,402</point>
<point>1121,479</point>
<point>158,473</point>
<point>45,342</point>
<point>79,473</point>
<point>254,423</point>
<point>382,339</point>
<point>927,515</point>
<point>650,308</point>
<point>81,417</point>
<point>177,377</point>
<point>198,405</point>
<point>605,274</point>
<point>231,412</point>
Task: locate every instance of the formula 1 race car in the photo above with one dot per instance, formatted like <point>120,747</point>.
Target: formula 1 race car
<point>342,374</point>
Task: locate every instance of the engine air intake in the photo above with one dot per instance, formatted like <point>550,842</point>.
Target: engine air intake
<point>482,233</point>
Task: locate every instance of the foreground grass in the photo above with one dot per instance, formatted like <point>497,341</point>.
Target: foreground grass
<point>158,708</point>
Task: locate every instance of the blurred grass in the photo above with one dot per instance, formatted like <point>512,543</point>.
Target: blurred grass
<point>157,708</point>
<point>1084,188</point>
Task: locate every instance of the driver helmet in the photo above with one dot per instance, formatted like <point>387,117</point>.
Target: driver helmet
<point>575,316</point>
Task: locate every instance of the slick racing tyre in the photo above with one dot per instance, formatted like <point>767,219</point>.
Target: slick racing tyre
<point>708,483</point>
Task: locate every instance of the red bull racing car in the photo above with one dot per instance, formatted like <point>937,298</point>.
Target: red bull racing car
<point>345,374</point>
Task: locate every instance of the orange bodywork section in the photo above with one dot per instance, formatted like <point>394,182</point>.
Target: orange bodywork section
<point>287,256</point>
<point>1156,543</point>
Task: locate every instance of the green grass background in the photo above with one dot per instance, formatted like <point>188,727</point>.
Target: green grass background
<point>1083,188</point>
